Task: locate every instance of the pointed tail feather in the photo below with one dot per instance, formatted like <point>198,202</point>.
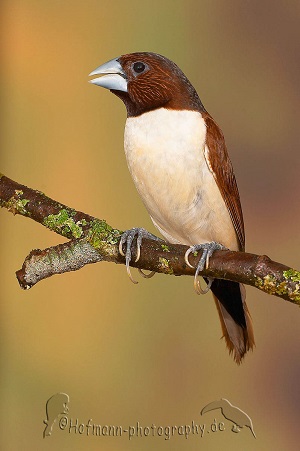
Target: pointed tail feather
<point>234,316</point>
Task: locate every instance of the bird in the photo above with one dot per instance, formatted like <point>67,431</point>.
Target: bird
<point>178,159</point>
<point>232,413</point>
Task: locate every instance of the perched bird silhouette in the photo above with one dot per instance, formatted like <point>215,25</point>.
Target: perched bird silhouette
<point>178,160</point>
<point>231,413</point>
<point>55,406</point>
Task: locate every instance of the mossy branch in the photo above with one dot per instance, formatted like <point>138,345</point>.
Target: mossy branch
<point>93,240</point>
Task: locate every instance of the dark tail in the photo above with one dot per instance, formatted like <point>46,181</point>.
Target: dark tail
<point>234,316</point>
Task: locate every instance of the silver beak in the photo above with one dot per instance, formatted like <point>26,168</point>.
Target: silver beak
<point>115,78</point>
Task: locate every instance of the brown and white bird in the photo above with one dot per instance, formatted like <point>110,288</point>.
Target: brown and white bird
<point>179,163</point>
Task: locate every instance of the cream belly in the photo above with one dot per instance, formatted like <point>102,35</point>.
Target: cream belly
<point>165,155</point>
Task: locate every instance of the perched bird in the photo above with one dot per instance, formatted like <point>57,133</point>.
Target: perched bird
<point>179,163</point>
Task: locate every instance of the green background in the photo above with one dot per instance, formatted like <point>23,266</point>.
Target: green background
<point>149,353</point>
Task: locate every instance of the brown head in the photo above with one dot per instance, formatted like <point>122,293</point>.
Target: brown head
<point>146,81</point>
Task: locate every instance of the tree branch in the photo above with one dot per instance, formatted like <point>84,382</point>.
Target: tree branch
<point>92,240</point>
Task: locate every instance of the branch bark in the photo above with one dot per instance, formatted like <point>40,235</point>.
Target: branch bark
<point>92,240</point>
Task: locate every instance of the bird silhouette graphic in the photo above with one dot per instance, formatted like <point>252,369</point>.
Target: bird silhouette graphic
<point>55,406</point>
<point>231,413</point>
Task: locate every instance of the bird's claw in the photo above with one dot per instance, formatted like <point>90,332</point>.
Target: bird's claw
<point>146,276</point>
<point>128,237</point>
<point>207,250</point>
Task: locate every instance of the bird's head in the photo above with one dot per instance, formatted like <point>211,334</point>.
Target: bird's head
<point>146,81</point>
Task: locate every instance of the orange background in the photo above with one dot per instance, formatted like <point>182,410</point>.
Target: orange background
<point>149,353</point>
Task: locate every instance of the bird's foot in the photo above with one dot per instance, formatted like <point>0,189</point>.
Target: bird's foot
<point>128,237</point>
<point>207,250</point>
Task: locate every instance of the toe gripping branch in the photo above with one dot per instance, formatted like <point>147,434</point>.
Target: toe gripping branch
<point>207,251</point>
<point>127,237</point>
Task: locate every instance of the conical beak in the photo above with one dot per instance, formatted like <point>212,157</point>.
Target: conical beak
<point>115,78</point>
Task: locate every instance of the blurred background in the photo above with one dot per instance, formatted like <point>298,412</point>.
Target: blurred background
<point>152,352</point>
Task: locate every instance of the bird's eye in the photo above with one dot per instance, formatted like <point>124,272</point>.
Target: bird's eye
<point>139,67</point>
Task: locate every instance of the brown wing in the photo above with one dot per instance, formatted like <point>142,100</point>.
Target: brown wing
<point>221,167</point>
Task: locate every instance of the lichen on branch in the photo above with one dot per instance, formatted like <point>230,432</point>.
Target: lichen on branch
<point>92,240</point>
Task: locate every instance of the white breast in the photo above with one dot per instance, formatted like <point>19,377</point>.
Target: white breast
<point>165,155</point>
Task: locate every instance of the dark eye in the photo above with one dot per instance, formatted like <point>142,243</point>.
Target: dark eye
<point>139,67</point>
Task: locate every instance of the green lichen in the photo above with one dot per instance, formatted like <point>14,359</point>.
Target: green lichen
<point>295,295</point>
<point>64,223</point>
<point>16,204</point>
<point>269,284</point>
<point>101,234</point>
<point>292,275</point>
<point>164,264</point>
<point>165,248</point>
<point>21,206</point>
